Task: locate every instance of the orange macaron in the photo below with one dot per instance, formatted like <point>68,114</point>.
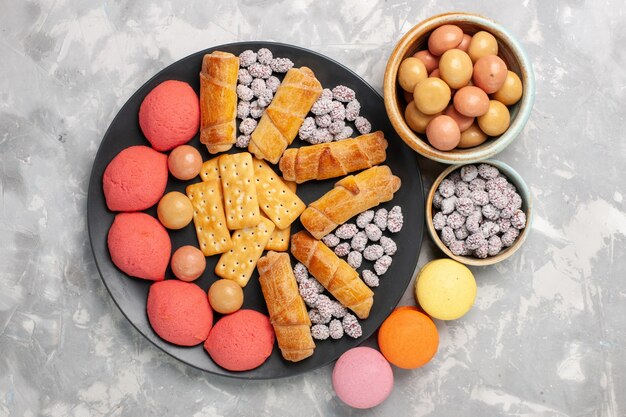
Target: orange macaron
<point>408,338</point>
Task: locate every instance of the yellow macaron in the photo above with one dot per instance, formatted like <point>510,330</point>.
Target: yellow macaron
<point>445,289</point>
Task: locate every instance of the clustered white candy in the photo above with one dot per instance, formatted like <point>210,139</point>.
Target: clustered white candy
<point>256,86</point>
<point>477,211</point>
<point>328,316</point>
<point>331,114</point>
<point>350,241</point>
<point>364,240</point>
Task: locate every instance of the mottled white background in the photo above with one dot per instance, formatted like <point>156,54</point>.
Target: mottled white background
<point>547,335</point>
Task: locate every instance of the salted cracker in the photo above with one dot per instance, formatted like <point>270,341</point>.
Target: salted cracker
<point>241,204</point>
<point>277,201</point>
<point>279,240</point>
<point>208,217</point>
<point>210,170</point>
<point>239,262</point>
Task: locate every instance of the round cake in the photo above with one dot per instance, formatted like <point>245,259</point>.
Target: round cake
<point>408,338</point>
<point>135,179</point>
<point>179,312</point>
<point>169,116</point>
<point>241,341</point>
<point>362,378</point>
<point>445,289</point>
<point>139,246</point>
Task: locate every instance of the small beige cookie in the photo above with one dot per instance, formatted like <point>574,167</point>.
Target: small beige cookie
<point>208,217</point>
<point>239,262</point>
<point>210,170</point>
<point>241,205</point>
<point>277,201</point>
<point>279,241</point>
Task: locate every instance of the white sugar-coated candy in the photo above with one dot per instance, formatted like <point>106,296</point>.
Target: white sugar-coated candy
<point>355,259</point>
<point>373,252</point>
<point>370,278</point>
<point>346,231</point>
<point>373,232</point>
<point>389,245</point>
<point>300,272</point>
<point>365,218</point>
<point>382,265</point>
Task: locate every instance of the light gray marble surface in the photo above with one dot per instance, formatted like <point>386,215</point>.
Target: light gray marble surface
<point>547,335</point>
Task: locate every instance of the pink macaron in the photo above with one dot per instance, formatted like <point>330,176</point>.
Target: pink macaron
<point>362,378</point>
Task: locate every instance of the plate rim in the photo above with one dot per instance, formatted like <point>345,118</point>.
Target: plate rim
<point>242,376</point>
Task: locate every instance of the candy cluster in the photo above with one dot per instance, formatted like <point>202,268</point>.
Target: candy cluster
<point>256,85</point>
<point>364,240</point>
<point>477,211</point>
<point>331,114</point>
<point>329,317</point>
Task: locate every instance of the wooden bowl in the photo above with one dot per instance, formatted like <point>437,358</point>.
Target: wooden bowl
<point>509,50</point>
<point>522,189</point>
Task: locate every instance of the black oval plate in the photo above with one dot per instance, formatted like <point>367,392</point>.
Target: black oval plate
<point>130,294</point>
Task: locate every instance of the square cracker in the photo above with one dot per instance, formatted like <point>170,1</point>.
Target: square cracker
<point>241,205</point>
<point>239,262</point>
<point>210,170</point>
<point>208,217</point>
<point>278,202</point>
<point>279,240</point>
